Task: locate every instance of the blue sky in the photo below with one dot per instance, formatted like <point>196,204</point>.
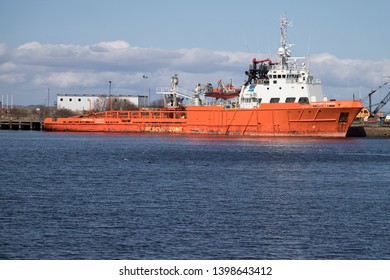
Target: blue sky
<point>77,46</point>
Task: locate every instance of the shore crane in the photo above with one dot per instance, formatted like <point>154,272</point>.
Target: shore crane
<point>380,104</point>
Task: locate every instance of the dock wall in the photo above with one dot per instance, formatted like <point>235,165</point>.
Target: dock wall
<point>369,131</point>
<point>21,125</point>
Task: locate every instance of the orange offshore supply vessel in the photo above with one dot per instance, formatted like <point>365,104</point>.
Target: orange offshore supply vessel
<point>279,99</point>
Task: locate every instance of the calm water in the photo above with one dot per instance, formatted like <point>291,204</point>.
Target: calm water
<point>134,196</point>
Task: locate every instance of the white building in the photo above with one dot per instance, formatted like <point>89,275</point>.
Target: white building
<point>94,102</point>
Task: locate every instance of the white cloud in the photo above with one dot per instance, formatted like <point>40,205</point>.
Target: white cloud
<point>109,46</point>
<point>8,67</point>
<point>345,73</point>
<point>69,79</point>
<point>34,66</point>
<point>13,78</point>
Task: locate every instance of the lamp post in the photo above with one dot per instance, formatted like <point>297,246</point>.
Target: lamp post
<point>146,79</point>
<point>109,99</point>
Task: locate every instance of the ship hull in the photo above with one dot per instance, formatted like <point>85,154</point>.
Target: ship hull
<point>321,119</point>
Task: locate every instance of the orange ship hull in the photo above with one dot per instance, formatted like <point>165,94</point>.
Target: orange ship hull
<point>328,119</point>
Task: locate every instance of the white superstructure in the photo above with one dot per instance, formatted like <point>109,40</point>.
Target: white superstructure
<point>283,81</point>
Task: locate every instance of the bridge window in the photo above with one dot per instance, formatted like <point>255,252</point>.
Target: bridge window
<point>303,100</point>
<point>274,100</point>
<point>245,100</point>
<point>290,99</point>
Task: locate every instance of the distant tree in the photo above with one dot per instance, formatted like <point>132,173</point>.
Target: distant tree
<point>64,113</point>
<point>121,104</point>
<point>18,112</point>
<point>159,103</point>
<point>101,104</point>
<point>117,103</point>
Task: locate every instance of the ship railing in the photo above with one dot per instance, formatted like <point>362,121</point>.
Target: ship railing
<point>179,91</point>
<point>316,81</point>
<point>157,115</point>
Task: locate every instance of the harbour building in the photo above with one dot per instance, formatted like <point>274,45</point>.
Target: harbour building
<point>99,102</point>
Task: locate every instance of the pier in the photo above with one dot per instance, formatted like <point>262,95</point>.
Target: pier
<point>21,125</point>
<point>369,131</point>
<point>25,118</point>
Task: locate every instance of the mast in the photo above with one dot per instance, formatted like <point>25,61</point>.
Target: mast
<point>284,50</point>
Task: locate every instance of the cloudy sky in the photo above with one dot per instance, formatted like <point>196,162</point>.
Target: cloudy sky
<point>78,46</point>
